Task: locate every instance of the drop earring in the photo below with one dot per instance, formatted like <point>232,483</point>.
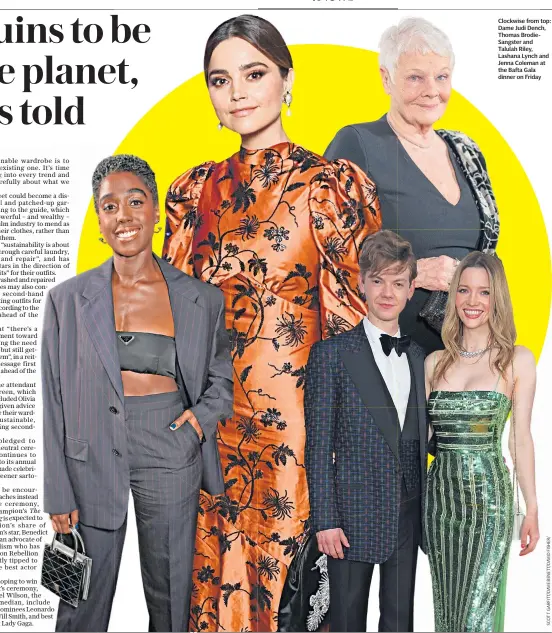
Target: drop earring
<point>220,126</point>
<point>159,228</point>
<point>287,100</point>
<point>101,239</point>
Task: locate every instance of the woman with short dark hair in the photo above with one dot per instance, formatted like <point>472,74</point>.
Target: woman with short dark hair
<point>278,229</point>
<point>130,393</point>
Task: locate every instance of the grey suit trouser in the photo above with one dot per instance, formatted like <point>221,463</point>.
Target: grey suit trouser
<point>165,475</point>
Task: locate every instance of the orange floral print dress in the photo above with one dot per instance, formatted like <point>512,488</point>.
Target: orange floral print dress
<point>279,231</point>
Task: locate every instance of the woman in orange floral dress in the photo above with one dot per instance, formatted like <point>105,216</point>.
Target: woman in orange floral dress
<point>278,229</point>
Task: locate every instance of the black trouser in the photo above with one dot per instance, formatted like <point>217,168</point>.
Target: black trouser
<point>350,581</point>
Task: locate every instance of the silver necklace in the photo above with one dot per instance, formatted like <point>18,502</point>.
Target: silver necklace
<point>477,352</point>
<point>408,140</point>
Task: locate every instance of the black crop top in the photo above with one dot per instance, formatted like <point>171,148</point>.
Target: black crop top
<point>147,353</point>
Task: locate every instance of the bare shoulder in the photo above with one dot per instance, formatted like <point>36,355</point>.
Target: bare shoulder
<point>431,360</point>
<point>524,361</point>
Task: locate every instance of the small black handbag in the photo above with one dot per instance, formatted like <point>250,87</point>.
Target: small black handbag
<point>65,570</point>
<point>305,598</point>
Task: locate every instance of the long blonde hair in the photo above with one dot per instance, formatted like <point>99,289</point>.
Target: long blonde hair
<point>501,316</point>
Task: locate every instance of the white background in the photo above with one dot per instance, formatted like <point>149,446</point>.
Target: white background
<point>520,110</point>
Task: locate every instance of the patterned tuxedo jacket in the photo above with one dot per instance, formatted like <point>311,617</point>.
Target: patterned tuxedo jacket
<point>352,451</point>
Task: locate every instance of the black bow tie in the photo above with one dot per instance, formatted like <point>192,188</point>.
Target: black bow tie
<point>388,343</point>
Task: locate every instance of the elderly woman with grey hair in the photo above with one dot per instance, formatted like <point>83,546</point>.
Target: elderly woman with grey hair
<point>433,185</point>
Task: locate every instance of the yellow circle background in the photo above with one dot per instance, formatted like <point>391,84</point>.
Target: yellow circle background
<point>336,86</point>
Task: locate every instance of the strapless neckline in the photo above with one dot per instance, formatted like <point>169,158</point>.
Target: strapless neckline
<point>488,391</point>
<point>469,508</point>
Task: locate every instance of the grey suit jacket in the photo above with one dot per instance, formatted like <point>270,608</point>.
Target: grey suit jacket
<point>85,464</point>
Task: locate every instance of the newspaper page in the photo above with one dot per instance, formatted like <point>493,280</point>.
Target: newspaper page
<point>78,85</point>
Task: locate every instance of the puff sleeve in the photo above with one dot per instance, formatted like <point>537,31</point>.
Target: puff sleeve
<point>183,216</point>
<point>344,210</point>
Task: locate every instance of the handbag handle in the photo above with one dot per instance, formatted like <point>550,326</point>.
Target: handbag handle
<point>77,539</point>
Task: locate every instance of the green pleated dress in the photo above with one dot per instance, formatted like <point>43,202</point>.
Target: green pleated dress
<point>468,516</point>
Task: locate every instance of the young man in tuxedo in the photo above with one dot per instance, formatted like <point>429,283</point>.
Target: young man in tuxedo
<point>366,446</point>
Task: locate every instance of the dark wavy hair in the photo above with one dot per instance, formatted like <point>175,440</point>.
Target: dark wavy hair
<point>121,163</point>
<point>259,32</point>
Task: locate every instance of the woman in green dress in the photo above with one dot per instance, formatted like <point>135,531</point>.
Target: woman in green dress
<point>472,386</point>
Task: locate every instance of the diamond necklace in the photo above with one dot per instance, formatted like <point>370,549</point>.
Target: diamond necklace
<point>477,352</point>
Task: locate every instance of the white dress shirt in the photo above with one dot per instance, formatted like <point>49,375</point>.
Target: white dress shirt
<point>394,369</point>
